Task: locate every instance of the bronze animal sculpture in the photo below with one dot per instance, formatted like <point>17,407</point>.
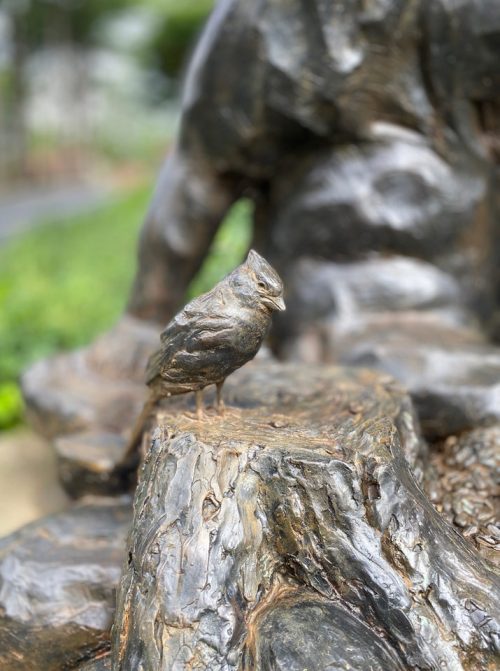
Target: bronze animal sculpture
<point>213,335</point>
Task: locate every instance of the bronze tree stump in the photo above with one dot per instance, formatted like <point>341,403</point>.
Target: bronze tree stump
<point>293,533</point>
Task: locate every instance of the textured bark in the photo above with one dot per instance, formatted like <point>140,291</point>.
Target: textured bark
<point>293,533</point>
<point>57,586</point>
<point>463,481</point>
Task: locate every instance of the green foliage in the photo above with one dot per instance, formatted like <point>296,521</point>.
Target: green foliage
<point>228,249</point>
<point>11,404</point>
<point>41,22</point>
<point>63,283</point>
<point>178,25</point>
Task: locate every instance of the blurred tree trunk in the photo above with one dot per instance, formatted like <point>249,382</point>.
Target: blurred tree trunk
<point>16,131</point>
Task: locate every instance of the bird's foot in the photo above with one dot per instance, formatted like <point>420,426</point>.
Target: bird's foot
<point>219,403</point>
<point>198,415</point>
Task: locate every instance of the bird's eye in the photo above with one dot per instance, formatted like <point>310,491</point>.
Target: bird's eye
<point>261,285</point>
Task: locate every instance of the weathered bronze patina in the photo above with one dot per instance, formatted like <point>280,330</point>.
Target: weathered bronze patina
<point>293,534</point>
<point>58,578</point>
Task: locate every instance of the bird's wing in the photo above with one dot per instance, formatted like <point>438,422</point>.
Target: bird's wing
<point>172,340</point>
<point>187,355</point>
<point>201,326</point>
<point>213,333</point>
<point>201,306</point>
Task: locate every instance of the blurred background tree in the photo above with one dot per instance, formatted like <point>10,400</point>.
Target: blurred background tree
<point>66,63</point>
<point>34,26</point>
<point>174,33</point>
<point>89,94</point>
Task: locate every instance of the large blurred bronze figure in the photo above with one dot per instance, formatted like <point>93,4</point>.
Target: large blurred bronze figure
<point>366,135</point>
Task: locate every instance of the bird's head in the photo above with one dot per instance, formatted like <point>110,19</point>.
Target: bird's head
<point>266,283</point>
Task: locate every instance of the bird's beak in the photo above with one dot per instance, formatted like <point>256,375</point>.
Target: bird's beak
<point>275,303</point>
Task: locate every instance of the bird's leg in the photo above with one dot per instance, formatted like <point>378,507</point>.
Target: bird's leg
<point>199,403</point>
<point>219,402</point>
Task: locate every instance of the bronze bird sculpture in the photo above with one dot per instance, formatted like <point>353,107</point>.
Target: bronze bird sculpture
<point>212,336</point>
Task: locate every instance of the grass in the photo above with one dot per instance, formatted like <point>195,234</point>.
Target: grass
<point>63,283</point>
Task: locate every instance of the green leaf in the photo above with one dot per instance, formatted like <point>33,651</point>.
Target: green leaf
<point>11,405</point>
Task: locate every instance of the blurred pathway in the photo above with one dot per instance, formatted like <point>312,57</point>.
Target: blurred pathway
<point>22,209</point>
<point>29,487</point>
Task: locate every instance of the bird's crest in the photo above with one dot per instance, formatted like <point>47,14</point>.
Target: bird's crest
<point>263,270</point>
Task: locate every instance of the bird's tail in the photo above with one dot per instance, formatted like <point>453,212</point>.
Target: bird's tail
<point>130,456</point>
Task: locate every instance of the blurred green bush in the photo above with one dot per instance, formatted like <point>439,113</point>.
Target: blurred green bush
<point>143,45</point>
<point>177,27</point>
<point>63,283</point>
